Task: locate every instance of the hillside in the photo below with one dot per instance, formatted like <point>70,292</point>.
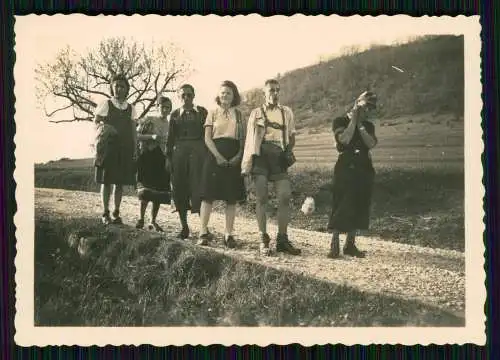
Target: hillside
<point>432,81</point>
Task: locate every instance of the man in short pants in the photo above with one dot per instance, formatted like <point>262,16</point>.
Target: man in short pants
<point>270,130</point>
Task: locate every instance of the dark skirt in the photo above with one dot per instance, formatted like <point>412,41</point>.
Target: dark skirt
<point>352,192</point>
<point>153,179</point>
<point>223,183</point>
<point>117,168</point>
<point>187,165</point>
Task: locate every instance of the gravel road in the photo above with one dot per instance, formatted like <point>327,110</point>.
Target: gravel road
<point>432,276</point>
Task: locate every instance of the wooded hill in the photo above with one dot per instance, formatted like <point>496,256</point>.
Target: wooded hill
<point>425,75</point>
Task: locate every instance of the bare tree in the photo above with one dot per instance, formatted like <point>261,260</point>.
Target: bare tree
<point>72,84</point>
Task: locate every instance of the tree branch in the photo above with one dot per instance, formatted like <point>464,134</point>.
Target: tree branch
<point>168,79</point>
<point>74,82</point>
<point>91,91</point>
<point>72,120</point>
<point>56,111</point>
<point>143,91</point>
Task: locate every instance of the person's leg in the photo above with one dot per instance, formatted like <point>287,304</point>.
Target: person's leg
<point>154,211</point>
<point>155,208</point>
<point>180,188</point>
<point>261,194</point>
<point>284,193</point>
<point>143,207</point>
<point>228,233</point>
<point>230,216</point>
<point>350,247</point>
<point>117,195</point>
<point>334,245</point>
<point>184,234</point>
<point>205,212</point>
<point>105,197</point>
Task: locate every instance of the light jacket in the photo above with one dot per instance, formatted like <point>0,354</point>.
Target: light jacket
<point>255,134</point>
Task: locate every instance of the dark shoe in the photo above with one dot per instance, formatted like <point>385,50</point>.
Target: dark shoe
<point>184,234</point>
<point>352,250</point>
<point>334,248</point>
<point>139,224</point>
<point>155,227</point>
<point>204,239</point>
<point>230,242</point>
<point>116,218</point>
<point>106,220</point>
<point>284,245</point>
<point>264,245</point>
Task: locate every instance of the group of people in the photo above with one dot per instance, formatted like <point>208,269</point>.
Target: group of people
<point>194,157</point>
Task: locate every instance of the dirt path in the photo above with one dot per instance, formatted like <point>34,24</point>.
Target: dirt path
<point>432,276</point>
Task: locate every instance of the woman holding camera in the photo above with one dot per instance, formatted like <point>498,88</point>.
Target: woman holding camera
<point>353,175</point>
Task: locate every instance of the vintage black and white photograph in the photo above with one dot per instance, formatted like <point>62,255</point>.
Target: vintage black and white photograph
<point>248,179</point>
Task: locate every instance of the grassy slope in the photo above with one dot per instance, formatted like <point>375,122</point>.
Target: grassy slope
<point>432,81</point>
<point>133,279</point>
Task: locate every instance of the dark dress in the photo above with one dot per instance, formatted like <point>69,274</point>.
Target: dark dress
<point>186,151</point>
<point>117,166</point>
<point>153,179</point>
<point>352,181</point>
<point>221,182</point>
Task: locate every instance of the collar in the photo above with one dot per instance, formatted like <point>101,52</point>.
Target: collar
<point>121,105</point>
<point>182,110</point>
<point>229,109</point>
<point>267,107</point>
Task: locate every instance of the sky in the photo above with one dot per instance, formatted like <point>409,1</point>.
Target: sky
<point>244,49</point>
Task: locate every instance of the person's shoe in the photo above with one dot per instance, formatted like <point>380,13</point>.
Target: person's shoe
<point>204,239</point>
<point>155,227</point>
<point>264,248</point>
<point>116,218</point>
<point>334,248</point>
<point>351,250</point>
<point>139,224</point>
<point>106,220</point>
<point>184,233</point>
<point>230,242</point>
<point>284,245</point>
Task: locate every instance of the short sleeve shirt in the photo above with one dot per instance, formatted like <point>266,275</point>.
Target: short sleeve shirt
<point>103,108</point>
<point>159,127</point>
<point>339,125</point>
<point>223,123</point>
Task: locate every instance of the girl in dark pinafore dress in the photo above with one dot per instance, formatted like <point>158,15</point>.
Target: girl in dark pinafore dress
<point>153,177</point>
<point>115,164</point>
<point>353,175</point>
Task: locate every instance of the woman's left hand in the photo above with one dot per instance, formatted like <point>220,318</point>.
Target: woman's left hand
<point>234,161</point>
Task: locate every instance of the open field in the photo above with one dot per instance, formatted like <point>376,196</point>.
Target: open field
<point>121,276</point>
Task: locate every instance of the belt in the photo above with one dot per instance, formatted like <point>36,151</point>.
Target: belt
<point>355,152</point>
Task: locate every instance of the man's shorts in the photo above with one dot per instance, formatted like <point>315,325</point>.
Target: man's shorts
<point>269,163</point>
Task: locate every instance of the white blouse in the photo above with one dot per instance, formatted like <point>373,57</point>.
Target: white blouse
<point>103,108</point>
<point>223,123</point>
